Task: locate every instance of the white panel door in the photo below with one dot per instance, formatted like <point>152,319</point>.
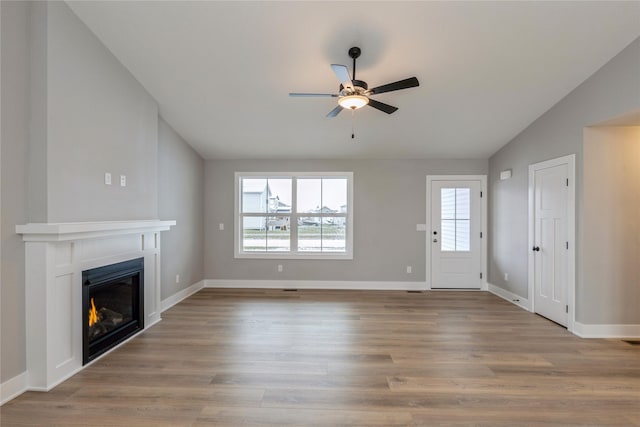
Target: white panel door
<point>455,234</point>
<point>550,242</point>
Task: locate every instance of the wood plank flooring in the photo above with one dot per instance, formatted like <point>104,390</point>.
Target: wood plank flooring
<point>347,358</point>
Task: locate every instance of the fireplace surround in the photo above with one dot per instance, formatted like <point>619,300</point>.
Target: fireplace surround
<point>56,254</point>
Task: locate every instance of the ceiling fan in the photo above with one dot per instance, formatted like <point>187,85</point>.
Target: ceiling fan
<point>354,94</point>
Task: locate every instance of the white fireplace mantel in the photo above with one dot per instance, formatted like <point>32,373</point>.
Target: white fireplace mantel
<point>56,254</point>
<point>64,231</point>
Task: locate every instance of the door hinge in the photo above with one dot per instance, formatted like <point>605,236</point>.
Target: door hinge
<point>567,308</point>
<point>481,275</point>
<point>567,182</point>
<point>567,245</point>
<point>481,234</point>
<point>481,194</point>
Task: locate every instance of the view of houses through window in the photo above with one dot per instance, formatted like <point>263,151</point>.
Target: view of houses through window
<point>294,214</point>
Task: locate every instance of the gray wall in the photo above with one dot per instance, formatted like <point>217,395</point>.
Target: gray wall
<point>70,112</point>
<point>611,250</point>
<point>13,205</point>
<point>100,119</point>
<point>612,91</point>
<point>389,197</point>
<point>180,197</point>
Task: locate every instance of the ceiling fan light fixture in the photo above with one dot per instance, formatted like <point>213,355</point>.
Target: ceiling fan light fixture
<point>353,102</point>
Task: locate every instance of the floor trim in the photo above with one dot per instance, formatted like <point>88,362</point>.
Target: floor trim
<point>509,296</point>
<point>316,284</point>
<point>174,299</point>
<point>13,388</point>
<point>607,331</point>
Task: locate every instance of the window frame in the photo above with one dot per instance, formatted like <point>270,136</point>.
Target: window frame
<point>293,251</point>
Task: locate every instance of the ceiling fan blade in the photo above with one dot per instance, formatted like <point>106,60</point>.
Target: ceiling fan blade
<point>401,84</point>
<point>313,95</point>
<point>343,75</point>
<point>382,106</point>
<point>335,111</point>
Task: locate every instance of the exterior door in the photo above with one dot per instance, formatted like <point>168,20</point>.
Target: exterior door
<point>550,241</point>
<point>455,234</point>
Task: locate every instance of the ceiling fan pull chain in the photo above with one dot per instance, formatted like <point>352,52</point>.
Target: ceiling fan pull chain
<point>353,125</point>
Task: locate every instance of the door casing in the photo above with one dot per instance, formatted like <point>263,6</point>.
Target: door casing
<point>483,225</point>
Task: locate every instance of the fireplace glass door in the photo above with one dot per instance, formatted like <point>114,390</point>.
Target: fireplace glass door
<point>112,305</point>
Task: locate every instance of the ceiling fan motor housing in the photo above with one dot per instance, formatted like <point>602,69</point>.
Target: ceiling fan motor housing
<point>360,87</point>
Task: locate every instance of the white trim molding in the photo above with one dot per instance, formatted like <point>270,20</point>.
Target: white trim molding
<point>316,284</point>
<point>179,296</point>
<point>13,388</point>
<point>65,231</point>
<point>606,331</point>
<point>521,302</point>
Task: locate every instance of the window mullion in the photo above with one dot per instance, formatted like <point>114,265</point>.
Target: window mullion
<point>293,223</point>
<point>321,216</point>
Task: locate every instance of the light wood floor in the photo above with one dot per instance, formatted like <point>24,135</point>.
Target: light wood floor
<point>342,358</point>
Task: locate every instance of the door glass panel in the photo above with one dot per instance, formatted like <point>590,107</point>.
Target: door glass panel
<point>463,203</point>
<point>462,235</point>
<point>448,203</point>
<point>448,237</point>
<point>455,215</point>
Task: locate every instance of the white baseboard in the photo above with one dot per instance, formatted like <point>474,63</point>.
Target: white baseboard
<point>181,295</point>
<point>606,331</point>
<point>510,296</point>
<point>13,388</point>
<point>316,284</point>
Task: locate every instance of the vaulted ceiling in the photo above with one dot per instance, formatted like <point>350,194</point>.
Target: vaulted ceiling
<point>221,71</point>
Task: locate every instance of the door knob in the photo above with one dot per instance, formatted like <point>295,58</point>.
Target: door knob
<point>536,248</point>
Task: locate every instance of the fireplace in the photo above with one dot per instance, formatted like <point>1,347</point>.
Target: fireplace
<point>112,306</point>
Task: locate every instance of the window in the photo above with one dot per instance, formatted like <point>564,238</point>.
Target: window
<point>455,217</point>
<point>294,215</point>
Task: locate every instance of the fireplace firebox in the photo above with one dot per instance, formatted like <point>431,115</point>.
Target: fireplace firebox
<point>112,306</point>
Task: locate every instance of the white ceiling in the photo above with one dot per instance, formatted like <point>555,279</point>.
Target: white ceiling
<point>221,71</point>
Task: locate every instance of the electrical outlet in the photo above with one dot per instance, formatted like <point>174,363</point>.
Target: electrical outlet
<point>123,180</point>
<point>506,277</point>
<point>177,278</point>
<point>280,268</point>
<point>221,226</point>
<point>409,269</point>
<point>107,178</point>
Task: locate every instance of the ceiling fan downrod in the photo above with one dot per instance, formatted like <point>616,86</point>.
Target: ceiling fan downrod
<point>354,53</point>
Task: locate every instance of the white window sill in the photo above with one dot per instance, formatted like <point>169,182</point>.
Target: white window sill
<point>311,256</point>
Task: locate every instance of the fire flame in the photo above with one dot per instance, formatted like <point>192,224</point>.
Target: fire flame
<point>93,314</point>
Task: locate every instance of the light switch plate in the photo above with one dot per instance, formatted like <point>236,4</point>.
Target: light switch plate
<point>107,178</point>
